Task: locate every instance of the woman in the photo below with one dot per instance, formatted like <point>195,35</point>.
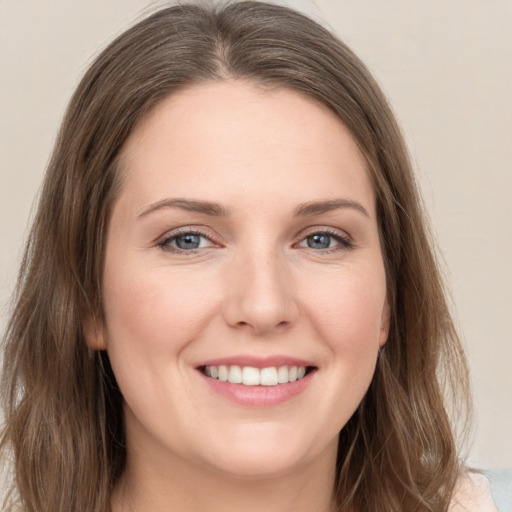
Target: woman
<point>229,299</point>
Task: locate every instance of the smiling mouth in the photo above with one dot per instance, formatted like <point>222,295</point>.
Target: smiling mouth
<point>251,376</point>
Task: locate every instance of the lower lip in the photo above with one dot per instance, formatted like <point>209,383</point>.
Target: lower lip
<point>258,396</point>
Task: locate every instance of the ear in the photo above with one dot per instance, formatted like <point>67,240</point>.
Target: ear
<point>94,333</point>
<point>384,323</point>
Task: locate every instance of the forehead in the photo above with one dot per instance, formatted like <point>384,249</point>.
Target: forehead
<point>254,140</point>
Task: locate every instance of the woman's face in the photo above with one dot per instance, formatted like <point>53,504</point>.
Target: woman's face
<point>243,245</point>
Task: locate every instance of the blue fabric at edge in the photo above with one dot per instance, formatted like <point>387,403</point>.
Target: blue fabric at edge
<point>501,488</point>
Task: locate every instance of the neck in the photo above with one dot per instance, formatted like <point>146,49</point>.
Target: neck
<point>185,487</point>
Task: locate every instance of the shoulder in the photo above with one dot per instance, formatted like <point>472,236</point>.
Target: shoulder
<point>472,494</point>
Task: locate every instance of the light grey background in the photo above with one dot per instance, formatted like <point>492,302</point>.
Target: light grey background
<point>446,66</point>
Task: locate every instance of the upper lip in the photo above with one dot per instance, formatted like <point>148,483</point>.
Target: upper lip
<point>257,362</point>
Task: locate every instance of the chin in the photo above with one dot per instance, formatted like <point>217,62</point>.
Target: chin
<point>264,466</point>
<point>265,457</point>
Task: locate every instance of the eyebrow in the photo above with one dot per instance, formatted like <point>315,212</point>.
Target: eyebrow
<point>189,205</point>
<point>308,209</point>
<point>317,207</point>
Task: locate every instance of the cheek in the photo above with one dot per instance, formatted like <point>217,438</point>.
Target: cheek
<point>347,315</point>
<point>349,311</point>
<point>345,309</point>
<point>152,313</point>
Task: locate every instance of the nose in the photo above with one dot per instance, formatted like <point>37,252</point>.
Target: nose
<point>260,298</point>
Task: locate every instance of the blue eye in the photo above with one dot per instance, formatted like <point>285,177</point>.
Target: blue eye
<point>186,241</point>
<point>326,241</point>
<point>189,241</point>
<point>319,241</point>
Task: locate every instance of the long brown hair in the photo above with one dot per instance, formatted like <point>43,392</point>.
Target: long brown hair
<point>63,410</point>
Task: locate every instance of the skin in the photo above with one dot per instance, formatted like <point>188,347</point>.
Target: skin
<point>254,286</point>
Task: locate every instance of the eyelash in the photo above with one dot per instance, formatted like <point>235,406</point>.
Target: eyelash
<point>344,242</point>
<point>165,243</point>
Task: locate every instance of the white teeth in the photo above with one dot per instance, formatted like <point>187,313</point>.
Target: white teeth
<point>282,375</point>
<point>250,376</point>
<point>235,374</point>
<point>269,376</point>
<point>223,373</point>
